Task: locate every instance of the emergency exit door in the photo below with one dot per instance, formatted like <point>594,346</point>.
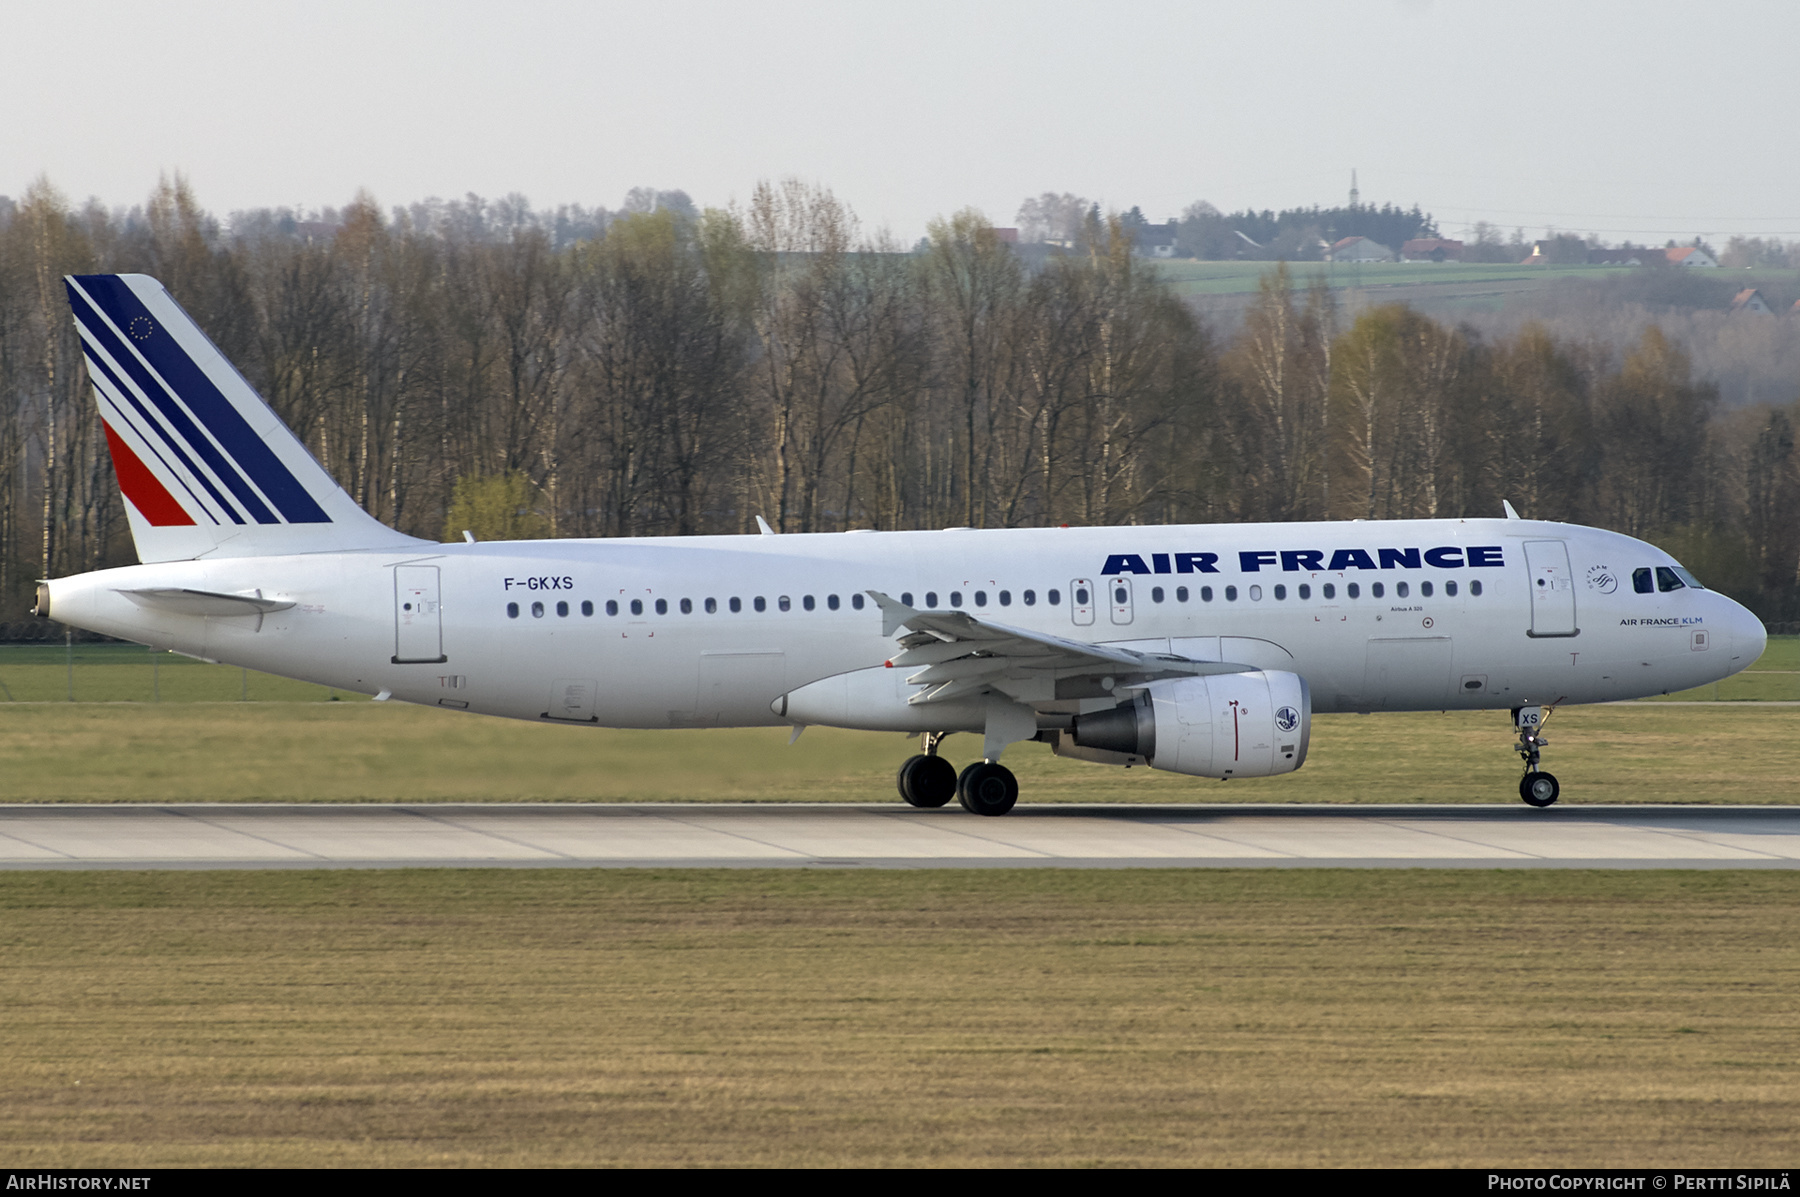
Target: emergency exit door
<point>418,616</point>
<point>1552,588</point>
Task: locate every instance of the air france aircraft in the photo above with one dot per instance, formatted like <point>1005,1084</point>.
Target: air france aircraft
<point>1197,649</point>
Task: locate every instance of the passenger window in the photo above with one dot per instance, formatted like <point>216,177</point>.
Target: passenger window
<point>1305,591</point>
<point>856,600</point>
<point>906,597</point>
<point>537,610</point>
<point>1450,589</point>
<point>687,606</point>
<point>736,604</point>
<point>981,598</point>
<point>1642,582</point>
<point>1156,594</point>
<point>1181,594</point>
<point>1377,589</point>
<point>1475,588</point>
<point>1255,594</point>
<point>1231,594</point>
<point>512,610</point>
<point>637,606</point>
<point>1206,594</point>
<point>1081,596</point>
<point>1401,589</point>
<point>806,601</point>
<point>1330,590</point>
<point>587,606</point>
<point>1053,597</point>
<point>760,603</point>
<point>1280,593</point>
<point>1030,597</point>
<point>562,610</point>
<point>1006,598</point>
<point>956,598</point>
<point>612,606</point>
<point>712,606</point>
<point>1121,595</point>
<point>931,598</point>
<point>1425,589</point>
<point>831,600</point>
<point>1353,590</point>
<point>662,606</point>
<point>785,603</point>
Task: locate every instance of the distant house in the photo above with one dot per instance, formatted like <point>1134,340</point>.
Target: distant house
<point>1688,256</point>
<point>1155,240</point>
<point>1431,249</point>
<point>1007,236</point>
<point>1615,257</point>
<point>1360,249</point>
<point>1751,300</point>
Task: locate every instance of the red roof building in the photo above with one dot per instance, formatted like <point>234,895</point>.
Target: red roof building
<point>1431,249</point>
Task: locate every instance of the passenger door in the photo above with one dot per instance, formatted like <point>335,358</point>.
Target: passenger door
<point>1552,588</point>
<point>418,616</point>
<point>1118,594</point>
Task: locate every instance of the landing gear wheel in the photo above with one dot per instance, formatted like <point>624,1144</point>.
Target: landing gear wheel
<point>1539,789</point>
<point>987,788</point>
<point>927,781</point>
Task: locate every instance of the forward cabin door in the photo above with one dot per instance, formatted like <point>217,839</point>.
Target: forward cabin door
<point>418,616</point>
<point>1552,588</point>
<point>1081,601</point>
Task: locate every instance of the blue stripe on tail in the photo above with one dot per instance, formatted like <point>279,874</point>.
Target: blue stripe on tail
<point>228,427</point>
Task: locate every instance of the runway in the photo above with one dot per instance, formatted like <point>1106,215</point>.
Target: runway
<point>220,836</point>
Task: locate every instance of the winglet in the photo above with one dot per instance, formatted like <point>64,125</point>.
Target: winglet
<point>1510,513</point>
<point>893,614</point>
<point>763,524</point>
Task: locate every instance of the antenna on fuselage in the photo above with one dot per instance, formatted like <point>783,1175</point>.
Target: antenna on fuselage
<point>764,525</point>
<point>1510,513</point>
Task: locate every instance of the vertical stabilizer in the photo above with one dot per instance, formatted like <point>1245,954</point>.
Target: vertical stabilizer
<point>206,467</point>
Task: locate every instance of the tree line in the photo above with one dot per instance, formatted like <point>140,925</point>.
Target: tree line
<point>681,371</point>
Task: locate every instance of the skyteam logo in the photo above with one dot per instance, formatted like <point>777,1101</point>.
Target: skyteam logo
<point>184,450</point>
<point>1287,719</point>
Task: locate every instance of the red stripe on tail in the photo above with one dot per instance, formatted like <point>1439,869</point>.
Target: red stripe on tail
<point>149,496</point>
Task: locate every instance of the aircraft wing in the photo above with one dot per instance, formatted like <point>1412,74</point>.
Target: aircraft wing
<point>962,655</point>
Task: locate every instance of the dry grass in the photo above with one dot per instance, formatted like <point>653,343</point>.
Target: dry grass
<point>992,1017</point>
<point>336,752</point>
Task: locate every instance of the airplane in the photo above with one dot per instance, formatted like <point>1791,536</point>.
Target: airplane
<point>1197,649</point>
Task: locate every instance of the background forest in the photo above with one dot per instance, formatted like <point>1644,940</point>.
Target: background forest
<point>663,370</point>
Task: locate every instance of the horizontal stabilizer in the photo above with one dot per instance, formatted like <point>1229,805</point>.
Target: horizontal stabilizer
<point>205,602</point>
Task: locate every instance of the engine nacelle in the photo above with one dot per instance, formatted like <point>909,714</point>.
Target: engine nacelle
<point>1225,725</point>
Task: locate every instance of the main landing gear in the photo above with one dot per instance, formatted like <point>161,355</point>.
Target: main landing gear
<point>1537,787</point>
<point>984,788</point>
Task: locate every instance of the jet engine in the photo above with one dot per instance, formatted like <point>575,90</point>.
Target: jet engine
<point>1225,725</point>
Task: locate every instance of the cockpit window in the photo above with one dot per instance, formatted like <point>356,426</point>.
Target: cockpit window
<point>1642,581</point>
<point>1666,579</point>
<point>1690,579</point>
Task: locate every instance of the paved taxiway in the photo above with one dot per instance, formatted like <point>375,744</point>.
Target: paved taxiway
<point>894,836</point>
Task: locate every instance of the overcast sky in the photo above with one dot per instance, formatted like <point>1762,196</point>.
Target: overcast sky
<point>1651,118</point>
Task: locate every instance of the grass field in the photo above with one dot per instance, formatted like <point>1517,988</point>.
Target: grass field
<point>325,752</point>
<point>1279,1017</point>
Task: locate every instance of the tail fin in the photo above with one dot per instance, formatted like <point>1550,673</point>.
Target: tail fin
<point>206,467</point>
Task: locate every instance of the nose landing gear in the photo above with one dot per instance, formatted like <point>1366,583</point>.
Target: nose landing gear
<point>1537,787</point>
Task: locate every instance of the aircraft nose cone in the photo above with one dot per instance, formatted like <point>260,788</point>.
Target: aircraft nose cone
<point>1749,636</point>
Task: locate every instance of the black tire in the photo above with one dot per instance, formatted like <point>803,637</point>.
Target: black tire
<point>927,781</point>
<point>987,788</point>
<point>1539,789</point>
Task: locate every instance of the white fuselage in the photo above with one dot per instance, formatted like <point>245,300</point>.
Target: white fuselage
<point>1490,625</point>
